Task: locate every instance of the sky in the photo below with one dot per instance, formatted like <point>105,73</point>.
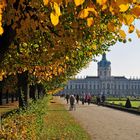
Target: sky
<point>124,58</point>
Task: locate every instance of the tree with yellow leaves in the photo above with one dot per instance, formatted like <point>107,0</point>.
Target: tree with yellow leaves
<point>54,39</point>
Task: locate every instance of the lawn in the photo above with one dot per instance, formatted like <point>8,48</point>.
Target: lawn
<point>8,107</point>
<point>60,125</point>
<point>133,103</point>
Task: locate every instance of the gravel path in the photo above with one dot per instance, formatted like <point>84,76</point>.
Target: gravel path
<point>104,123</point>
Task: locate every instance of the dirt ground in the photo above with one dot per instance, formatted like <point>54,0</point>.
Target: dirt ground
<point>104,123</point>
<point>8,107</point>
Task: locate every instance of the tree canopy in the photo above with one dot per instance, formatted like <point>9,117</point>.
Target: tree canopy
<point>54,39</point>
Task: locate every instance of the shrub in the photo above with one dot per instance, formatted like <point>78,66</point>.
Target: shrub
<point>26,123</point>
<point>128,103</point>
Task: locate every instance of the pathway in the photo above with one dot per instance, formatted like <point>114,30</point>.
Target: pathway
<point>104,123</point>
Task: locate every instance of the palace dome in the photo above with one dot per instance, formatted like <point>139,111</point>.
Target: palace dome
<point>104,62</point>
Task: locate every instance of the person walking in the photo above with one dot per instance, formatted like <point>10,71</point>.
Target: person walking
<point>72,103</point>
<point>67,98</point>
<point>77,99</point>
<point>88,98</point>
<point>98,100</point>
<point>103,98</point>
<point>83,98</point>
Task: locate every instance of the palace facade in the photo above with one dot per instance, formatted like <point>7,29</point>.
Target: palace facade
<point>104,83</point>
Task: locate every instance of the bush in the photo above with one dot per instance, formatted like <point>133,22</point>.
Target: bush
<point>128,103</point>
<point>27,124</point>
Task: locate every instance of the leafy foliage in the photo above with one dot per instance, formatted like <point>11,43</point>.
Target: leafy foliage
<point>2,6</point>
<point>54,39</point>
<point>25,124</point>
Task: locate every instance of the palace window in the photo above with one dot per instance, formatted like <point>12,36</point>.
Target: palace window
<point>86,86</point>
<point>90,87</point>
<point>119,86</point>
<point>108,86</point>
<point>101,73</point>
<point>103,85</point>
<point>122,86</point>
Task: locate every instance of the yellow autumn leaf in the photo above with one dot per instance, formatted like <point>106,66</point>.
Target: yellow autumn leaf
<point>94,47</point>
<point>136,11</point>
<point>89,53</point>
<point>54,18</point>
<point>60,70</point>
<point>1,77</point>
<point>92,10</point>
<point>45,2</point>
<point>128,19</point>
<point>104,7</point>
<point>79,2</point>
<point>111,27</point>
<point>101,2</point>
<point>122,34</point>
<point>124,7</point>
<point>90,21</point>
<point>83,14</point>
<point>138,33</point>
<point>1,30</point>
<point>111,9</point>
<point>67,58</point>
<point>57,9</point>
<point>0,18</point>
<point>131,28</point>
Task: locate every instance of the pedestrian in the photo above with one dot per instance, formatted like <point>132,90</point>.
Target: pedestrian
<point>88,98</point>
<point>72,103</point>
<point>103,98</point>
<point>83,99</point>
<point>98,100</point>
<point>77,98</point>
<point>67,98</point>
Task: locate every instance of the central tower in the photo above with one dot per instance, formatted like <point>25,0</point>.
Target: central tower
<point>104,67</point>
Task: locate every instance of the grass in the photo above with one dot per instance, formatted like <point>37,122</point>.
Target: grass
<point>60,125</point>
<point>122,99</point>
<point>8,107</point>
<point>133,103</point>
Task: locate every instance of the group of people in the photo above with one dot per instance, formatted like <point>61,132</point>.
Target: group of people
<point>85,98</point>
<point>100,99</point>
<point>73,99</point>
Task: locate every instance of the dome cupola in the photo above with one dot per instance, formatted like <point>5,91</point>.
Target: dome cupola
<point>104,62</point>
<point>104,67</point>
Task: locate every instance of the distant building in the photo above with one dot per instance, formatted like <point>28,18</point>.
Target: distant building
<point>104,83</point>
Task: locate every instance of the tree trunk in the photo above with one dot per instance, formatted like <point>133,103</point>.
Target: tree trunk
<point>7,97</point>
<point>0,92</point>
<point>32,92</point>
<point>12,97</point>
<point>23,89</point>
<point>0,97</point>
<point>16,94</point>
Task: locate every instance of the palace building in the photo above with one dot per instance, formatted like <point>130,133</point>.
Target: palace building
<point>104,83</point>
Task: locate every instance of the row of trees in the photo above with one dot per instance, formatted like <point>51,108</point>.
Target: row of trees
<point>49,41</point>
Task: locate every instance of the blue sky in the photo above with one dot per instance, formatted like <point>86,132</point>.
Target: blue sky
<point>124,57</point>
